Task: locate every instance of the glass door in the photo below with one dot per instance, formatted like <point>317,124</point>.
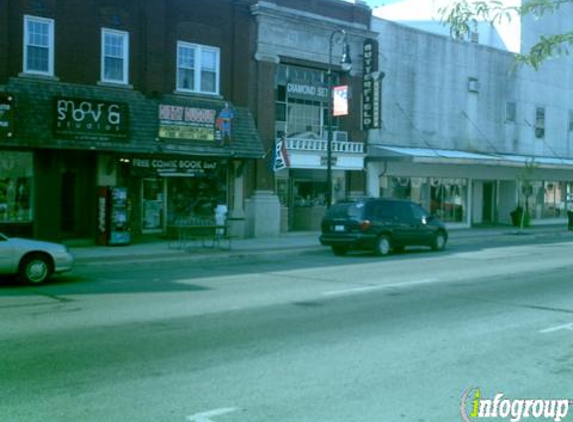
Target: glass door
<point>152,198</point>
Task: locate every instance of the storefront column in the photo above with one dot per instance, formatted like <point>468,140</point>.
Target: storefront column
<point>373,179</point>
<point>263,207</point>
<point>237,213</point>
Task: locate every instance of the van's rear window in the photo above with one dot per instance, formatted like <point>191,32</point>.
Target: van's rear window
<point>342,210</point>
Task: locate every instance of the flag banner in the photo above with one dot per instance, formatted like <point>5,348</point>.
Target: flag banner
<point>340,100</point>
<point>280,155</point>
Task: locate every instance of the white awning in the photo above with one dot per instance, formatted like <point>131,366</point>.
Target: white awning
<point>420,154</point>
<point>428,155</point>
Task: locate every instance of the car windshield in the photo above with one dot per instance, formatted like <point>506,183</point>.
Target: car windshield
<point>346,210</point>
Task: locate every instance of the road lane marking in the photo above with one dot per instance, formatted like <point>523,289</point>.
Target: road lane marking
<point>558,328</point>
<point>206,416</point>
<point>379,287</point>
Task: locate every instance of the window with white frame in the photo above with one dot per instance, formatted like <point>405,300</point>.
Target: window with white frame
<point>510,111</point>
<point>197,68</point>
<point>114,56</point>
<point>38,45</point>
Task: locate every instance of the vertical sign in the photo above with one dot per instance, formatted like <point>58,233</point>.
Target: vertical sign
<point>340,100</point>
<point>371,86</point>
<point>6,116</point>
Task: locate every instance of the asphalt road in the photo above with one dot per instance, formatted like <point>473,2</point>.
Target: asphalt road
<point>301,338</point>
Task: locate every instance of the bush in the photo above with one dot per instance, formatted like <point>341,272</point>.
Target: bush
<point>516,217</point>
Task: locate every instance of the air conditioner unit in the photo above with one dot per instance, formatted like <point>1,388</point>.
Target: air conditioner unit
<point>340,136</point>
<point>473,85</point>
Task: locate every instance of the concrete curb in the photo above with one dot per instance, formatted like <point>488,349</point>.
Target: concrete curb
<point>290,245</point>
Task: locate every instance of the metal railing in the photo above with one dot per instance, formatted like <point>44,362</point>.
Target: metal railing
<point>304,144</point>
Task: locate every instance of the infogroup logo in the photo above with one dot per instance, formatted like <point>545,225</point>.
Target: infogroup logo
<point>473,407</point>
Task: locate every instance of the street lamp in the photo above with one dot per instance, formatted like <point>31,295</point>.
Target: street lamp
<point>346,65</point>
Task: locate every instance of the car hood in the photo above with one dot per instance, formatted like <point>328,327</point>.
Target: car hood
<point>20,243</point>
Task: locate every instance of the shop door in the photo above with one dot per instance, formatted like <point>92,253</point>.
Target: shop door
<point>152,205</point>
<point>489,202</point>
<point>68,213</point>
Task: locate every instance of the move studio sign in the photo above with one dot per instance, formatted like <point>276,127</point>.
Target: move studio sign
<point>474,407</point>
<point>90,119</point>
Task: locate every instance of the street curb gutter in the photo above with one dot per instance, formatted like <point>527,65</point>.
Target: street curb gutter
<point>197,256</point>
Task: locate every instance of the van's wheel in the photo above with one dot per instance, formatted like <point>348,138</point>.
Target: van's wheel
<point>439,243</point>
<point>339,250</point>
<point>383,245</point>
<point>35,268</point>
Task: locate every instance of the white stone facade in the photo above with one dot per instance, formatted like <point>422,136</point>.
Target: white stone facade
<point>441,94</point>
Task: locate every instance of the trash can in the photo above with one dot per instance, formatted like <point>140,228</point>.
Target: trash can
<point>570,220</point>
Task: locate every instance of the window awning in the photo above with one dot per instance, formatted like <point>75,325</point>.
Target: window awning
<point>423,154</point>
<point>428,155</point>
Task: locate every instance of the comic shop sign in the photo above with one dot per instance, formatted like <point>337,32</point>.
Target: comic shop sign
<point>195,123</point>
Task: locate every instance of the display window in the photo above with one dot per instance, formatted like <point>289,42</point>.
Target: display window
<point>550,199</point>
<point>152,205</point>
<point>446,198</point>
<point>302,102</point>
<point>194,198</point>
<point>16,187</point>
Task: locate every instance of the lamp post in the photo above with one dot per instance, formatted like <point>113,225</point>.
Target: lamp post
<point>346,65</point>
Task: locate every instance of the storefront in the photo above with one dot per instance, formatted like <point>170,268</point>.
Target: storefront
<point>16,192</point>
<point>74,150</point>
<point>301,145</point>
<point>466,188</point>
<point>173,190</point>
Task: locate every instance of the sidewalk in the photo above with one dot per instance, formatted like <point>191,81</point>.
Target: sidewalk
<point>296,242</point>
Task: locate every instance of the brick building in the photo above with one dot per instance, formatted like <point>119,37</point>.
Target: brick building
<point>144,95</point>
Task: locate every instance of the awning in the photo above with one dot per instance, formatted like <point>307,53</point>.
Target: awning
<point>37,113</point>
<point>428,155</point>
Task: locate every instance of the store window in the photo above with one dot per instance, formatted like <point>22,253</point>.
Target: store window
<point>152,205</point>
<point>191,198</point>
<point>115,56</point>
<point>16,189</point>
<point>446,198</point>
<point>540,122</point>
<point>198,68</point>
<point>38,45</point>
<point>550,199</point>
<point>510,111</point>
<point>302,102</point>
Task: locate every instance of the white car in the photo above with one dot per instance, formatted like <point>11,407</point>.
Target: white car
<point>32,260</point>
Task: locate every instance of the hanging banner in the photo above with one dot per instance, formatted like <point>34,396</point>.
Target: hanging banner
<point>280,158</point>
<point>340,100</point>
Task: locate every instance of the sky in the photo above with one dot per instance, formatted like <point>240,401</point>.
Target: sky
<point>376,3</point>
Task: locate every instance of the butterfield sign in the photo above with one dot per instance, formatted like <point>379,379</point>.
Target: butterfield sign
<point>90,119</point>
<point>6,116</point>
<point>371,87</point>
<point>174,167</point>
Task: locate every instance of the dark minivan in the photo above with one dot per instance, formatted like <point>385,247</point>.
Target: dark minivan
<point>382,225</point>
